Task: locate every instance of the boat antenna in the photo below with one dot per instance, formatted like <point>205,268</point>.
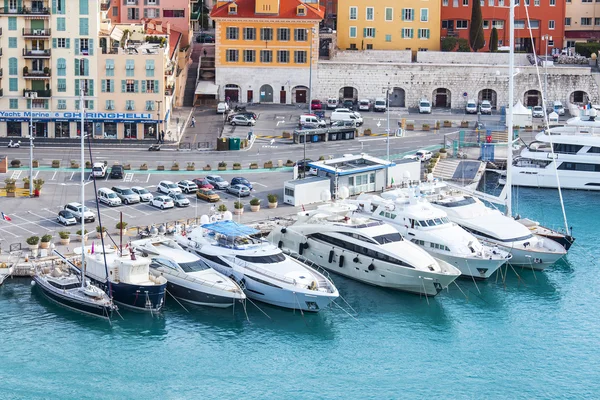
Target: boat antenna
<point>97,210</point>
<point>82,181</point>
<point>511,95</point>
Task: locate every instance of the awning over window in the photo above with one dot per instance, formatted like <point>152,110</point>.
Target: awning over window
<point>208,88</point>
<point>116,34</point>
<point>582,34</point>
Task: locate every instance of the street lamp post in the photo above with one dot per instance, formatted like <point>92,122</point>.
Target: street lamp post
<point>31,95</point>
<point>159,102</point>
<point>546,38</point>
<point>312,32</point>
<point>387,103</point>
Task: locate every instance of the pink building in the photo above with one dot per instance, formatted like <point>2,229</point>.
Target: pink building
<point>176,12</point>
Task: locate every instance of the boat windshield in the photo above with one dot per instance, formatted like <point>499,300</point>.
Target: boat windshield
<point>457,203</point>
<point>194,266</point>
<point>388,238</point>
<point>268,259</point>
<point>434,222</point>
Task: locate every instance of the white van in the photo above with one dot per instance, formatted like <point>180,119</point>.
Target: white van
<point>364,105</point>
<point>380,104</point>
<point>311,119</point>
<point>424,106</point>
<point>343,114</point>
<point>332,103</point>
<point>99,170</point>
<point>108,197</point>
<point>471,107</point>
<point>558,108</point>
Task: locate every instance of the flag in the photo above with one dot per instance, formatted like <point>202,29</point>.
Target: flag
<point>6,217</point>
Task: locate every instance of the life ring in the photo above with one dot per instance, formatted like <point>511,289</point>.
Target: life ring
<point>341,263</point>
<point>283,230</point>
<point>306,245</point>
<point>356,259</point>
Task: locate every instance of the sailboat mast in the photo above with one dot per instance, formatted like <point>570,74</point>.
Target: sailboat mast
<point>82,180</point>
<point>511,103</point>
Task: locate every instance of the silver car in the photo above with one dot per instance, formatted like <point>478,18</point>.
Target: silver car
<point>126,195</point>
<point>239,190</point>
<point>144,194</point>
<point>179,199</point>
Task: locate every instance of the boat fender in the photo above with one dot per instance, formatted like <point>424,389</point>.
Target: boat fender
<point>280,244</point>
<point>371,267</point>
<point>300,248</point>
<point>283,230</point>
<point>331,253</point>
<point>341,261</point>
<point>356,259</point>
<point>306,245</point>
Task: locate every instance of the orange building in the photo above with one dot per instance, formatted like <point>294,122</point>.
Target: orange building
<point>546,17</point>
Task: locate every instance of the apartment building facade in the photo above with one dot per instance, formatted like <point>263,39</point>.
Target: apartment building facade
<point>545,18</point>
<point>263,49</point>
<point>582,21</point>
<point>388,25</point>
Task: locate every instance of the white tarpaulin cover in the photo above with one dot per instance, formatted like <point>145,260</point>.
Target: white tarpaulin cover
<point>521,115</point>
<point>206,87</point>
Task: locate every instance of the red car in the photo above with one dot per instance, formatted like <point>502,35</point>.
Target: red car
<point>203,183</point>
<point>316,105</point>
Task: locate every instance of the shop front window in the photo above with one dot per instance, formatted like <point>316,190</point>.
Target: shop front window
<point>130,130</point>
<point>88,128</point>
<point>40,129</point>
<point>150,131</point>
<point>110,130</point>
<point>13,128</point>
<point>61,129</point>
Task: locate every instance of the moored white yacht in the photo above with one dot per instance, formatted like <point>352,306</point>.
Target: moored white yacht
<point>430,228</point>
<point>527,249</point>
<point>5,271</point>
<point>363,249</point>
<point>259,267</point>
<point>188,277</point>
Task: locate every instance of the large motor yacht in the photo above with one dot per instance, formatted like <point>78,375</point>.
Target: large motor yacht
<point>259,267</point>
<point>490,225</point>
<point>189,278</point>
<point>364,249</point>
<point>417,220</point>
<point>576,147</point>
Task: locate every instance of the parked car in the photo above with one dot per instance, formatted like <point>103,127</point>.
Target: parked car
<point>424,155</point>
<point>247,114</point>
<point>66,218</point>
<point>108,197</point>
<point>162,202</point>
<point>471,107</point>
<point>486,107</point>
<point>349,104</point>
<point>412,157</point>
<point>116,172</point>
<point>241,181</point>
<point>332,103</point>
<point>179,199</point>
<point>126,195</point>
<point>203,183</point>
<point>558,108</point>
<point>424,106</point>
<point>205,38</point>
<point>537,112</point>
<point>345,114</point>
<point>207,195</point>
<point>364,105</point>
<point>380,105</point>
<point>242,120</point>
<point>222,108</point>
<point>342,124</point>
<point>217,181</point>
<point>144,194</point>
<point>167,187</point>
<point>239,190</point>
<point>187,186</point>
<point>307,119</point>
<point>99,170</point>
<point>316,104</point>
<point>78,212</point>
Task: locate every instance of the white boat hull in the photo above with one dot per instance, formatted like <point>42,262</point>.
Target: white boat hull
<point>532,259</point>
<point>478,268</point>
<point>546,178</point>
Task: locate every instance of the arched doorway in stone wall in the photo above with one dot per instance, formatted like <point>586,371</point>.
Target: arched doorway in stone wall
<point>300,94</point>
<point>579,97</point>
<point>398,97</point>
<point>349,93</point>
<point>442,97</point>
<point>532,98</point>
<point>232,92</point>
<point>266,94</point>
<point>489,95</point>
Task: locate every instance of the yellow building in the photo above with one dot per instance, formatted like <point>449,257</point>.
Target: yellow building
<point>582,22</point>
<point>388,25</point>
<point>263,49</point>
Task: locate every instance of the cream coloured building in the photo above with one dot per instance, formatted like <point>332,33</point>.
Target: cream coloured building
<point>582,21</point>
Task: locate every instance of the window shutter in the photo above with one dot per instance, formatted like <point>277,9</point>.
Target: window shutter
<point>402,33</point>
<point>419,34</point>
<point>76,67</point>
<point>91,104</point>
<point>91,47</point>
<point>156,88</point>
<point>77,105</point>
<point>90,87</point>
<point>135,86</point>
<point>412,33</point>
<point>123,86</point>
<point>76,87</point>
<point>374,32</point>
<point>124,2</point>
<point>86,67</point>
<point>103,83</point>
<point>158,2</point>
<point>76,47</point>
<point>427,33</point>
<point>145,11</point>
<point>403,16</point>
<point>68,43</point>
<point>364,32</point>
<point>53,6</point>
<point>143,86</point>
<point>53,43</point>
<point>46,104</point>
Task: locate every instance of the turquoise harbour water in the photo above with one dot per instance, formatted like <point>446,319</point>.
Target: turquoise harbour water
<point>535,338</point>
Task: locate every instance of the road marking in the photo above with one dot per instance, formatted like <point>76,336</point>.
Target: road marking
<point>36,174</point>
<point>128,177</point>
<point>16,174</point>
<point>47,219</point>
<point>147,179</point>
<point>280,122</point>
<point>53,176</point>
<point>9,232</point>
<point>26,222</point>
<point>259,184</point>
<point>72,175</point>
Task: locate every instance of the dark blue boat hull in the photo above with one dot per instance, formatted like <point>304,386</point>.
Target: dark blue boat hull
<point>197,297</point>
<point>96,310</point>
<point>135,297</point>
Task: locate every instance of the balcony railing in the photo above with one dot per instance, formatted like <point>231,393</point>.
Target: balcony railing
<point>40,93</point>
<point>36,32</point>
<point>37,73</point>
<point>169,92</point>
<point>36,53</point>
<point>105,5</point>
<point>24,10</point>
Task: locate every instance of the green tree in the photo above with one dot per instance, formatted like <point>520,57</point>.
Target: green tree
<point>494,40</point>
<point>463,45</point>
<point>476,39</point>
<point>449,43</point>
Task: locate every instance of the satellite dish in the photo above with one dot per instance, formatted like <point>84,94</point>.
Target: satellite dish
<point>325,196</point>
<point>344,193</point>
<point>227,216</point>
<point>204,220</point>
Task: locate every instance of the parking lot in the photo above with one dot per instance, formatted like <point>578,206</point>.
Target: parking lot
<point>37,216</point>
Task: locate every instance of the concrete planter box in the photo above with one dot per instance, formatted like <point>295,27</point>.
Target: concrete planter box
<point>425,127</point>
<point>190,168</point>
<point>253,166</point>
<point>443,155</point>
<point>55,164</point>
<point>410,127</point>
<point>175,168</point>
<point>160,168</point>
<point>127,167</point>
<point>207,169</point>
<point>447,124</point>
<point>237,167</point>
<point>289,164</point>
<point>143,168</point>
<point>268,165</point>
<point>273,205</point>
<point>464,124</point>
<point>35,164</point>
<point>221,168</point>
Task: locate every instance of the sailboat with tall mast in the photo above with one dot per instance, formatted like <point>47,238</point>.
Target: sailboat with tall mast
<point>65,283</point>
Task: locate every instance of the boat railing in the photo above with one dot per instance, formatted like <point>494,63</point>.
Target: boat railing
<point>265,272</point>
<point>308,262</point>
<point>208,283</point>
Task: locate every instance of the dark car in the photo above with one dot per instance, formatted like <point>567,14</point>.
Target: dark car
<point>247,114</point>
<point>349,104</point>
<point>241,181</point>
<point>116,172</point>
<point>303,164</point>
<point>202,183</point>
<point>205,38</point>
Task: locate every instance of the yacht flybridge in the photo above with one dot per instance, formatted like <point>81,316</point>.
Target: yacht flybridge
<point>364,249</point>
<point>421,223</point>
<point>259,267</point>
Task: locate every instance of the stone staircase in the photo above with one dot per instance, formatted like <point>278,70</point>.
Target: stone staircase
<point>445,168</point>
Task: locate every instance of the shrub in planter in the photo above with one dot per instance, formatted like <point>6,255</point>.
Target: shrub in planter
<point>272,200</point>
<point>222,166</point>
<point>289,163</point>
<point>33,242</point>
<point>286,135</point>
<point>37,186</point>
<point>121,225</point>
<point>255,204</point>
<point>144,167</point>
<point>437,124</point>
<point>447,124</point>
<point>367,132</point>
<point>88,164</point>
<point>65,237</point>
<point>410,127</point>
<point>425,127</point>
<point>45,243</point>
<point>222,208</point>
<point>15,163</point>
<point>127,166</point>
<point>101,231</point>
<point>11,186</point>
<point>35,164</point>
<point>207,167</point>
<point>175,166</point>
<point>160,168</point>
<point>237,165</point>
<point>74,164</point>
<point>26,183</point>
<point>464,124</point>
<point>253,165</point>
<point>443,153</point>
<point>191,166</point>
<point>268,164</point>
<point>55,163</point>
<point>239,208</point>
<point>321,158</point>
